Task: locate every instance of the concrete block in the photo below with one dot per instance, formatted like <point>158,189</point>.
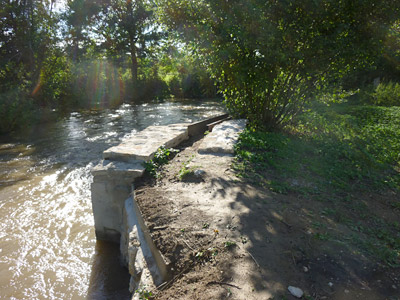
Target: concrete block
<point>223,137</point>
<point>143,146</point>
<point>110,187</point>
<point>201,126</point>
<point>118,169</point>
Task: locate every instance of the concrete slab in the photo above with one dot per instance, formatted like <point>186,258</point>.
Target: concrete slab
<point>117,168</point>
<point>143,146</point>
<point>223,137</point>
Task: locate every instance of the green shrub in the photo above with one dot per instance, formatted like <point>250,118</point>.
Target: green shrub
<point>56,82</point>
<point>16,110</point>
<point>387,94</point>
<point>151,88</point>
<point>161,157</point>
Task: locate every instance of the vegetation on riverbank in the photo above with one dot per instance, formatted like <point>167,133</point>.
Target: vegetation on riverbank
<point>266,58</point>
<point>344,155</point>
<point>161,158</point>
<point>269,58</point>
<point>316,208</point>
<point>81,54</point>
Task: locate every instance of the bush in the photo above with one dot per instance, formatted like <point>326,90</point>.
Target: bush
<point>150,89</point>
<point>55,82</point>
<point>16,110</point>
<point>270,57</point>
<point>192,85</point>
<point>387,94</point>
<point>175,87</point>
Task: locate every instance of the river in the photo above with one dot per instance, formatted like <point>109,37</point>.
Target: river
<point>48,248</point>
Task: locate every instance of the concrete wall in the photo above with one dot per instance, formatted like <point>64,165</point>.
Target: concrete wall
<point>201,126</point>
<point>112,185</point>
<point>145,263</point>
<point>116,214</point>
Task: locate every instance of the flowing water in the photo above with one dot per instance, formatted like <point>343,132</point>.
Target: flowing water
<point>48,248</point>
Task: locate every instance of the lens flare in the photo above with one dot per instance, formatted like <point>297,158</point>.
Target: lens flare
<point>101,82</point>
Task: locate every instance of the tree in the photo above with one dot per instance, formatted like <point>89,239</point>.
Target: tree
<point>128,28</point>
<point>27,40</point>
<point>80,17</point>
<point>186,76</point>
<point>270,57</point>
<point>27,32</point>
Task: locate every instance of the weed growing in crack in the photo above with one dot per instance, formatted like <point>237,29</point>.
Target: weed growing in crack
<point>186,171</point>
<point>161,157</point>
<point>144,294</point>
<point>229,244</point>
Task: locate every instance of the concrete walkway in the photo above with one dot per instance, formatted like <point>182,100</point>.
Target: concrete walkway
<point>122,164</point>
<point>223,137</point>
<point>203,211</point>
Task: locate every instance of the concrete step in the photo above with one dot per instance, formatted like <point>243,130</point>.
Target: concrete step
<point>143,145</point>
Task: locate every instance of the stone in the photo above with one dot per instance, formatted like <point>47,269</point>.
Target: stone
<point>139,265</point>
<point>110,188</point>
<point>295,291</point>
<point>143,145</point>
<point>114,176</point>
<point>133,285</point>
<point>199,173</point>
<point>223,137</point>
<point>107,201</point>
<point>133,247</point>
<point>116,168</point>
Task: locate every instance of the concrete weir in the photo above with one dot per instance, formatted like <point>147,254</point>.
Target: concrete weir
<point>116,214</point>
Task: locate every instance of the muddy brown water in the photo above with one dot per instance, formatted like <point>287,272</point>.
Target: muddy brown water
<point>48,248</point>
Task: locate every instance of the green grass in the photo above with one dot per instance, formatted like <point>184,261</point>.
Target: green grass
<point>335,155</point>
<point>339,148</point>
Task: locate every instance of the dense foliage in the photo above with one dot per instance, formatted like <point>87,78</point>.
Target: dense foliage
<point>270,57</point>
<point>387,94</point>
<point>27,35</point>
<point>88,54</point>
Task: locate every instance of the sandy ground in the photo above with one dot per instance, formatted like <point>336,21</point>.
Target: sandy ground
<point>226,239</point>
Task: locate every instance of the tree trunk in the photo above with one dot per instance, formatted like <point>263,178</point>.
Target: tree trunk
<point>134,70</point>
<point>134,65</point>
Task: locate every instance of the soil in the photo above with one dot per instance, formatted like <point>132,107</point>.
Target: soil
<point>224,238</point>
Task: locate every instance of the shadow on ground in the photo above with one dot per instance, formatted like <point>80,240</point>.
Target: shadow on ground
<point>290,243</point>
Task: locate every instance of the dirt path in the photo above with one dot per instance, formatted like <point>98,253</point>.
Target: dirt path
<point>224,238</point>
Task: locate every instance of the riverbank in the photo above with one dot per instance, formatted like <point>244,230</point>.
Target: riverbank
<point>251,237</point>
<point>48,244</point>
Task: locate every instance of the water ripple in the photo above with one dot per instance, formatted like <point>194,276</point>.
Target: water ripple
<point>48,248</point>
